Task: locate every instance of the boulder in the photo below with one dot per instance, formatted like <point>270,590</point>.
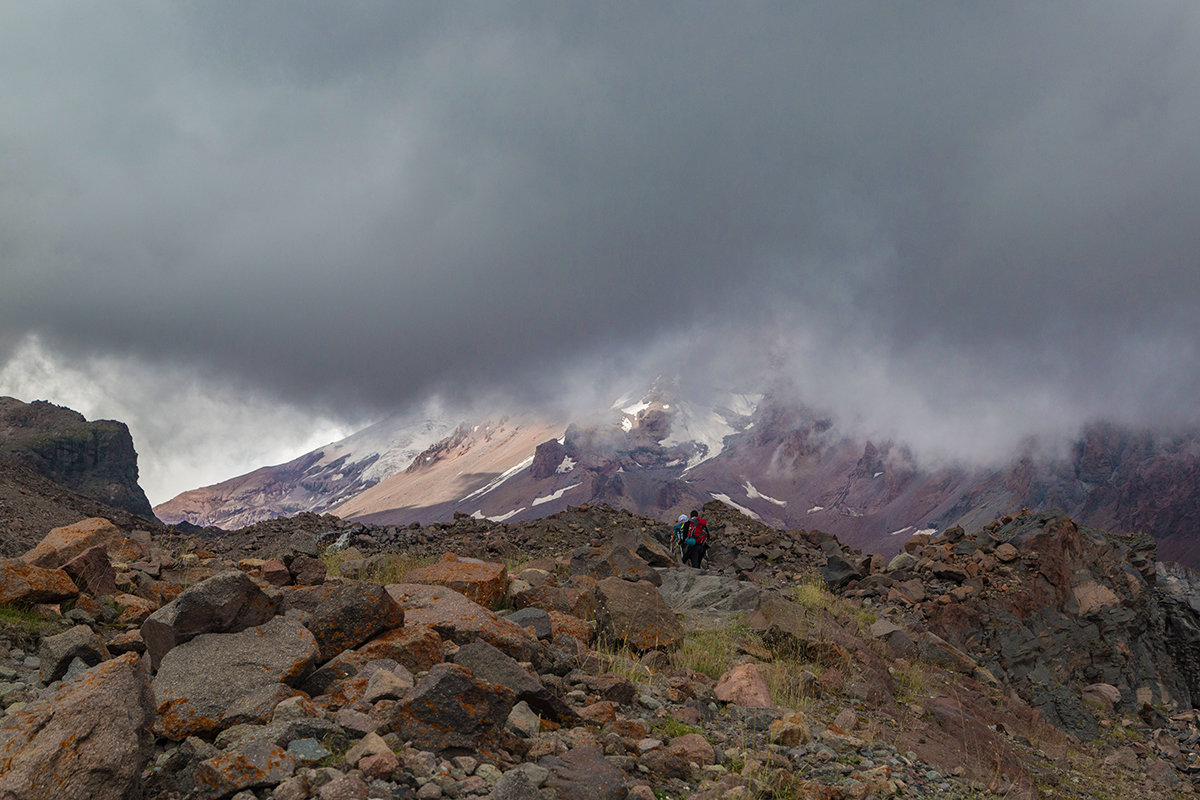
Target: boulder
<point>253,765</point>
<point>704,594</point>
<point>483,582</point>
<point>92,572</point>
<point>635,613</point>
<point>200,679</point>
<point>351,615</point>
<point>61,545</point>
<point>23,584</point>
<point>89,740</point>
<point>275,573</point>
<point>744,685</point>
<point>489,664</point>
<point>455,617</point>
<point>612,561</point>
<point>584,772</point>
<point>225,603</point>
<point>134,610</point>
<point>450,709</point>
<point>535,618</point>
<point>58,651</point>
<point>694,748</point>
<point>838,572</point>
<point>307,570</point>
<point>569,625</point>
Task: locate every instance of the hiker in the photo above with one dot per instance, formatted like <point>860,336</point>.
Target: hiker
<point>679,536</point>
<point>697,537</point>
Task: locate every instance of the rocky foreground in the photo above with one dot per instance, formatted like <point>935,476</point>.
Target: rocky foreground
<point>571,657</point>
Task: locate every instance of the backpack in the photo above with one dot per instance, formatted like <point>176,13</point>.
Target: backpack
<point>699,531</point>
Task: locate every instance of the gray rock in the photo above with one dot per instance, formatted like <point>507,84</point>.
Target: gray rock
<point>535,618</point>
<point>224,603</point>
<point>523,721</point>
<point>307,751</point>
<point>515,785</point>
<point>489,664</point>
<point>584,772</point>
<point>200,679</point>
<point>57,652</point>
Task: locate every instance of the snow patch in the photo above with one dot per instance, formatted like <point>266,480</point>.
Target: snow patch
<point>877,474</point>
<point>926,531</point>
<point>634,409</point>
<point>902,530</point>
<point>724,498</point>
<point>815,509</point>
<point>755,494</point>
<point>501,478</point>
<point>626,424</point>
<point>566,466</point>
<point>556,495</point>
<point>509,515</point>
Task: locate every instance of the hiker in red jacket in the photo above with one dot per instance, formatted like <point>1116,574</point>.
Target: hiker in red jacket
<point>698,534</point>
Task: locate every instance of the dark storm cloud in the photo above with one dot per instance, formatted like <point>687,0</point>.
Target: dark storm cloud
<point>376,200</point>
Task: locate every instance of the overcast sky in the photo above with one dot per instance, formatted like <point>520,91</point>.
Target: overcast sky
<point>246,228</point>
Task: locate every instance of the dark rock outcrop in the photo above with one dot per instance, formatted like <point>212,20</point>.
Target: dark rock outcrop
<point>95,459</point>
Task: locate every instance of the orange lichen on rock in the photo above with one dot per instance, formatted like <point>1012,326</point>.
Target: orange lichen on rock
<point>484,582</point>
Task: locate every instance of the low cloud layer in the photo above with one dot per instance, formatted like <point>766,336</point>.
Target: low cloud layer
<point>938,218</point>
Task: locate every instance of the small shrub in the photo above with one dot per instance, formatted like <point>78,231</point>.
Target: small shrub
<point>672,728</point>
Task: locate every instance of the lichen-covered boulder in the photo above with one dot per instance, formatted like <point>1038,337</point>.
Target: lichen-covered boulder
<point>24,584</point>
<point>61,545</point>
<point>455,617</point>
<point>89,740</point>
<point>351,614</point>
<point>450,709</point>
<point>483,582</point>
<point>199,680</point>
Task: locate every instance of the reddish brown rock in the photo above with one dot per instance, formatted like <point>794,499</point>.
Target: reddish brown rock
<point>89,740</point>
<point>572,626</point>
<point>275,573</point>
<point>351,615</point>
<point>62,544</point>
<point>636,614</point>
<point>584,772</point>
<point>134,610</point>
<point>459,619</point>
<point>25,585</point>
<point>744,685</point>
<point>450,709</point>
<point>483,582</point>
<point>92,572</point>
<point>694,748</point>
<point>600,712</point>
<point>259,763</point>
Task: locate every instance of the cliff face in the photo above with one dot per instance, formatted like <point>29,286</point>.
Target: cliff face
<point>93,459</point>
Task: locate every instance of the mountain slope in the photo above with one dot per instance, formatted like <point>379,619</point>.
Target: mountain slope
<point>313,482</point>
<point>776,460</point>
